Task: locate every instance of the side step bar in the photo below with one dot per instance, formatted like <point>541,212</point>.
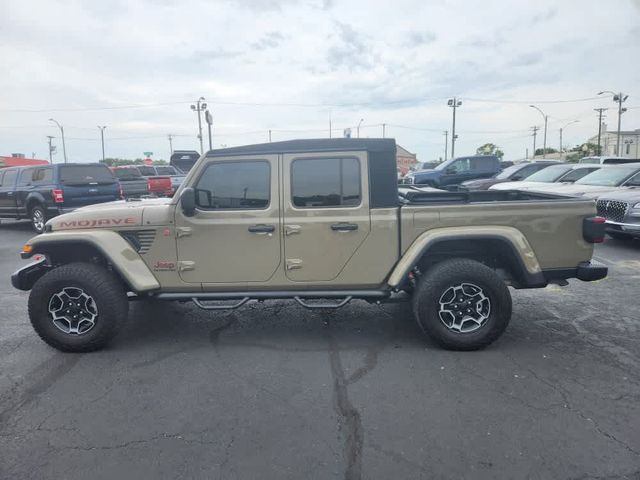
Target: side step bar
<point>300,296</point>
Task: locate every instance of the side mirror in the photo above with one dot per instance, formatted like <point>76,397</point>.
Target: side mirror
<point>188,202</point>
<point>516,178</point>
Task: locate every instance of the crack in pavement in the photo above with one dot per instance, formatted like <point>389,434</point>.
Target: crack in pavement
<point>569,406</point>
<point>63,363</point>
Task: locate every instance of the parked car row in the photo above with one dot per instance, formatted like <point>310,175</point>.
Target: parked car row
<point>41,192</point>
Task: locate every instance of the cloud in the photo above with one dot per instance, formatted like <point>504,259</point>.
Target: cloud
<point>417,38</point>
<point>268,40</point>
<point>543,17</point>
<point>525,59</point>
<point>350,50</point>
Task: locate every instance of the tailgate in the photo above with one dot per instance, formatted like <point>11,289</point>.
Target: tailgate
<point>159,184</point>
<point>87,184</point>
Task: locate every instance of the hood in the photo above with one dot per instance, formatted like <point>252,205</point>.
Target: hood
<point>481,182</point>
<point>577,190</point>
<point>114,215</point>
<point>630,196</point>
<point>429,172</point>
<point>521,185</point>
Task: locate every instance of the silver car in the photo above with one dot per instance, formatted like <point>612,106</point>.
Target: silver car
<point>622,212</point>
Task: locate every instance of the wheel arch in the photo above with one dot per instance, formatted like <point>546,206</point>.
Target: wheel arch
<point>499,247</point>
<point>34,198</point>
<point>107,246</point>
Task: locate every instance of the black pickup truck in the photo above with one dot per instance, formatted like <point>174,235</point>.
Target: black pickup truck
<point>42,192</point>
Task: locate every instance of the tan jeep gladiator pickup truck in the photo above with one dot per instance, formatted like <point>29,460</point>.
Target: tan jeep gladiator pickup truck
<point>318,221</point>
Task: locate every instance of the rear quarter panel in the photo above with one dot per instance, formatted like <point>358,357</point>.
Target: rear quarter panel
<point>552,228</point>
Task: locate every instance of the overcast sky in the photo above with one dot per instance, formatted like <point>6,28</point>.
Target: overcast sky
<point>290,65</point>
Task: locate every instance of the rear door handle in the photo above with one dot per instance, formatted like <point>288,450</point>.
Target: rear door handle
<point>262,229</point>
<point>344,227</point>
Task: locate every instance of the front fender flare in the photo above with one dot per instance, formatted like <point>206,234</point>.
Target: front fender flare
<point>514,238</point>
<point>119,253</point>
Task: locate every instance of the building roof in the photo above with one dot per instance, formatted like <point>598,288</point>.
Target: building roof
<point>403,152</point>
<point>19,161</point>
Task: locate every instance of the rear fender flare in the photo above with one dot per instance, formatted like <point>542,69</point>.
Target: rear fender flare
<point>115,249</point>
<point>528,267</point>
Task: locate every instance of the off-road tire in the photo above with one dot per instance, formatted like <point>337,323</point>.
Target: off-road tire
<point>37,214</point>
<point>439,279</point>
<point>101,285</point>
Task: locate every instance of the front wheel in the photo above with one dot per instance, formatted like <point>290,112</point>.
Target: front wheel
<point>38,218</point>
<point>462,304</point>
<point>78,307</point>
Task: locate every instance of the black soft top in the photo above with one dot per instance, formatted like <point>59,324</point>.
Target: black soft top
<point>383,174</point>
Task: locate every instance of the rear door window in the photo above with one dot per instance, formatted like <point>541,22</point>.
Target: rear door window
<point>325,182</point>
<point>86,175</point>
<point>482,164</point>
<point>42,176</point>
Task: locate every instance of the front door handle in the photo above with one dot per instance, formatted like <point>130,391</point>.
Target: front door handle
<point>261,229</point>
<point>344,227</point>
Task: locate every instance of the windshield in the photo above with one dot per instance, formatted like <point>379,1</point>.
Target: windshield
<point>147,171</point>
<point>549,174</point>
<point>85,174</point>
<point>127,173</point>
<point>166,171</point>
<point>507,172</point>
<point>608,177</point>
<point>444,165</point>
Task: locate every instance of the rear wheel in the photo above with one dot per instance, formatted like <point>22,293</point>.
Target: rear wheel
<point>78,307</point>
<point>462,304</point>
<point>38,218</point>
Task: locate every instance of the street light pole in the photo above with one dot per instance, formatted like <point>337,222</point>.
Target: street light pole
<point>544,146</point>
<point>102,139</point>
<point>358,127</point>
<point>50,149</point>
<point>384,129</point>
<point>199,107</point>
<point>570,123</point>
<point>64,148</point>
<point>170,137</point>
<point>453,103</point>
<point>618,98</point>
<point>209,118</point>
<point>446,144</point>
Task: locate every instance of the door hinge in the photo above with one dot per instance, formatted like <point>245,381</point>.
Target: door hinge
<point>293,264</point>
<point>291,229</point>
<point>186,265</point>
<point>183,231</point>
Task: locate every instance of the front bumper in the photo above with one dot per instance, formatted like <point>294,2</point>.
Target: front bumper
<point>620,227</point>
<point>27,276</point>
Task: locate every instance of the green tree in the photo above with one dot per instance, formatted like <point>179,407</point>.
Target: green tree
<point>490,149</point>
<point>540,151</point>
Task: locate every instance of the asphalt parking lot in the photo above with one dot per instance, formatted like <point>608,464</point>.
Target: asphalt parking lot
<point>274,391</point>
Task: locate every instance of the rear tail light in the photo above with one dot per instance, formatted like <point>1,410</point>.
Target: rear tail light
<point>593,229</point>
<point>58,195</point>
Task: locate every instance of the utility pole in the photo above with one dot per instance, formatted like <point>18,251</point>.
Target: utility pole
<point>269,136</point>
<point>618,98</point>
<point>199,107</point>
<point>384,128</point>
<point>64,148</point>
<point>544,146</point>
<point>50,149</point>
<point>102,139</point>
<point>446,144</point>
<point>170,137</point>
<point>535,133</point>
<point>358,127</point>
<point>570,123</point>
<point>600,115</point>
<point>454,103</point>
<point>209,118</point>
